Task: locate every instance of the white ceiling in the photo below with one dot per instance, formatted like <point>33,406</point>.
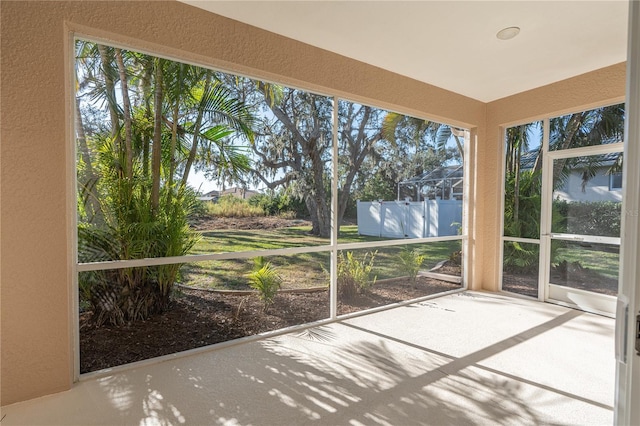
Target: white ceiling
<point>453,44</point>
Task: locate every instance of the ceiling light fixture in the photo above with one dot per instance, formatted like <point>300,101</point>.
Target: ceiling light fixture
<point>508,33</point>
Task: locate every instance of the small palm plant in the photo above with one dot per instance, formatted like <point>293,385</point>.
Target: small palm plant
<point>265,279</point>
<point>354,275</point>
<point>411,261</point>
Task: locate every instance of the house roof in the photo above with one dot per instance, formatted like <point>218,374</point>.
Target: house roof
<point>528,159</point>
<point>435,176</point>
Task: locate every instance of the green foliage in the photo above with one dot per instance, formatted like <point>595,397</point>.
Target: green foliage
<point>129,230</point>
<point>378,187</point>
<point>522,210</point>
<point>279,204</point>
<point>455,257</point>
<point>158,120</point>
<point>199,210</point>
<point>354,275</point>
<point>265,279</point>
<point>588,218</point>
<point>522,219</point>
<point>411,261</point>
<point>231,206</point>
<point>521,258</point>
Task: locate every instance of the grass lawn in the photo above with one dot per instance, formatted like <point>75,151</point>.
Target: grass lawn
<point>603,262</point>
<point>297,271</point>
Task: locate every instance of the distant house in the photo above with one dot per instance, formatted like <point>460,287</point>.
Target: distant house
<point>441,183</point>
<point>243,193</point>
<point>210,196</point>
<point>602,187</point>
<point>605,185</point>
<point>236,192</point>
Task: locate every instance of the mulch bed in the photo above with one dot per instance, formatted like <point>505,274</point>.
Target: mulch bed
<point>245,223</point>
<point>576,277</point>
<point>200,318</point>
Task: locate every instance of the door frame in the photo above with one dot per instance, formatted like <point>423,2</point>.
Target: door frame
<point>548,291</point>
<point>627,394</point>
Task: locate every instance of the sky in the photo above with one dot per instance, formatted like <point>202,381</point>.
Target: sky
<point>198,181</point>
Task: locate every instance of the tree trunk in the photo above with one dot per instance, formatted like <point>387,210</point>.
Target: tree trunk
<point>156,154</point>
<point>516,187</point>
<point>124,296</point>
<point>172,149</point>
<point>196,132</point>
<point>146,142</point>
<point>322,225</point>
<point>111,95</point>
<point>126,108</point>
<point>310,146</point>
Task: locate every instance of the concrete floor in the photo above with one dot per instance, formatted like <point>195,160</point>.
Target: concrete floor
<point>466,358</point>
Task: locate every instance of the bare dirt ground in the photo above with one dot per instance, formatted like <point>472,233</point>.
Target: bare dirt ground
<point>199,318</point>
<point>568,275</point>
<point>259,222</point>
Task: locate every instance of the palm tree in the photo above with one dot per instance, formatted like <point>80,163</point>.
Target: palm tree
<point>163,116</point>
<point>588,128</point>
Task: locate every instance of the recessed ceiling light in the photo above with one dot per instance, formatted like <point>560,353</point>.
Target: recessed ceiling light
<point>508,33</point>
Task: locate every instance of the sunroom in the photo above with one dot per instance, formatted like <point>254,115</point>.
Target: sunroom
<point>347,112</point>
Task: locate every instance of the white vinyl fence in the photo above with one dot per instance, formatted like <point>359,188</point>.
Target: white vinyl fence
<point>405,219</point>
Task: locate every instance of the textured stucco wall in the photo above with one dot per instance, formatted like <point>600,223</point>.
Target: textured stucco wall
<point>36,193</point>
<point>602,87</point>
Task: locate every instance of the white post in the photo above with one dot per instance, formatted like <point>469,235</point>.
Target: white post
<point>627,409</point>
<point>546,215</point>
<point>333,287</point>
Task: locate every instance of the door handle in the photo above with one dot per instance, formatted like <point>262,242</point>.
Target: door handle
<point>622,322</point>
<point>637,334</point>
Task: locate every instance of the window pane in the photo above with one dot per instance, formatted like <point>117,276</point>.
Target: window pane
<point>399,176</point>
<point>585,266</point>
<point>587,128</point>
<point>520,268</point>
<point>523,181</point>
<point>582,202</point>
<point>615,181</point>
<point>201,311</point>
<point>176,159</point>
<point>377,277</point>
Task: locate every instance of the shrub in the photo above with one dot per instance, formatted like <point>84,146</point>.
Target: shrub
<point>265,279</point>
<point>455,257</point>
<point>354,276</point>
<point>522,212</point>
<point>128,230</point>
<point>231,206</point>
<point>411,261</point>
<point>588,218</point>
<point>199,210</point>
<point>520,258</point>
<point>279,204</point>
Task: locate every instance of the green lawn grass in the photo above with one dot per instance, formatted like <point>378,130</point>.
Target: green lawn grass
<point>603,262</point>
<point>297,271</point>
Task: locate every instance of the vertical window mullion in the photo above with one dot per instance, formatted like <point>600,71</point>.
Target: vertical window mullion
<point>545,212</point>
<point>333,288</point>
